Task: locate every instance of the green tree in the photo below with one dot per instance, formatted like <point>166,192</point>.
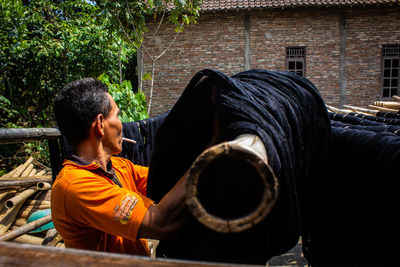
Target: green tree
<point>132,105</point>
<point>46,44</point>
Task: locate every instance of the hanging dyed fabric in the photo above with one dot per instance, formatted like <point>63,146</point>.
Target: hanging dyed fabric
<point>373,128</point>
<point>286,112</point>
<point>143,133</point>
<point>354,220</point>
<point>391,115</point>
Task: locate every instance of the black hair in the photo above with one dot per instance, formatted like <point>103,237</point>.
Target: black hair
<point>77,106</point>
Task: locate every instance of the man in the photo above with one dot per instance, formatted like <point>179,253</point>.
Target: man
<point>99,201</point>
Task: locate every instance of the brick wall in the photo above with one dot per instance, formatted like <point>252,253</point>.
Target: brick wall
<point>368,31</point>
<point>217,41</point>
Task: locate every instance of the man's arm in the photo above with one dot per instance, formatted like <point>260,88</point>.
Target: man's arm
<point>166,217</point>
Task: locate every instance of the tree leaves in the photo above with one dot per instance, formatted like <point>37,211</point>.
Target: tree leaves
<point>133,106</point>
<point>46,44</point>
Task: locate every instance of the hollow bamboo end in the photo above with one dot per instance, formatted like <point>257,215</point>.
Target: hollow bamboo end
<point>43,186</point>
<point>230,188</point>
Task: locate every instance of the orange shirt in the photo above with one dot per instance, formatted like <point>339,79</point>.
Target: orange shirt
<point>90,211</point>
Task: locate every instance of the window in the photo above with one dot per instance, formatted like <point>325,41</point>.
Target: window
<point>390,70</point>
<point>296,59</point>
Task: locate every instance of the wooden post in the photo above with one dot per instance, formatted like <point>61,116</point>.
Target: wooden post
<point>231,187</point>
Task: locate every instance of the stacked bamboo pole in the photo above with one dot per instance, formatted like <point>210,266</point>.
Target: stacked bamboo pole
<point>23,191</point>
<point>386,106</point>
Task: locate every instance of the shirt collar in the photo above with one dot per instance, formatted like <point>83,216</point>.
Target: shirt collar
<point>110,173</point>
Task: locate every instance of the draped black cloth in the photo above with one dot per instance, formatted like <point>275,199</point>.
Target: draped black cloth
<point>143,132</point>
<point>357,118</point>
<point>286,112</point>
<point>391,115</point>
<point>373,128</point>
<point>351,119</point>
<point>352,222</point>
<point>386,120</point>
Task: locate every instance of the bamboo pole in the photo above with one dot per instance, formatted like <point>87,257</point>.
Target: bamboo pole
<point>243,165</point>
<point>24,166</point>
<point>388,104</point>
<point>5,197</point>
<point>17,199</point>
<point>25,182</point>
<point>37,204</point>
<point>20,198</point>
<point>20,135</point>
<point>42,172</point>
<point>7,218</point>
<point>30,206</point>
<point>396,97</point>
<point>11,173</point>
<point>362,110</point>
<point>60,245</point>
<point>29,239</point>
<point>383,109</point>
<point>54,238</point>
<point>50,234</point>
<point>26,211</point>
<point>20,221</point>
<point>26,228</point>
<point>27,170</point>
<point>33,172</point>
<point>337,110</point>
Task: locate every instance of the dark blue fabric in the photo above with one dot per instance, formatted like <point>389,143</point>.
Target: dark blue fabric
<point>352,118</point>
<point>373,128</point>
<point>143,132</point>
<point>356,198</point>
<point>391,115</point>
<point>286,112</point>
<point>377,119</point>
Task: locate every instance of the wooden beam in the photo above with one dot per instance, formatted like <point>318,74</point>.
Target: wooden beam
<point>12,254</point>
<point>20,135</point>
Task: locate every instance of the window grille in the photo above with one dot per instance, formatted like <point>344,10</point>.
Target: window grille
<point>295,60</point>
<point>390,70</point>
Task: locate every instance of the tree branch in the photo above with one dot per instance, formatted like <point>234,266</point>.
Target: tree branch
<point>170,44</point>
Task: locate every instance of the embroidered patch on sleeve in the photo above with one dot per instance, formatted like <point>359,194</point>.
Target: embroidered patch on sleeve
<point>123,211</point>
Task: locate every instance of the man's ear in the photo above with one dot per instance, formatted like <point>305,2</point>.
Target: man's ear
<point>99,125</point>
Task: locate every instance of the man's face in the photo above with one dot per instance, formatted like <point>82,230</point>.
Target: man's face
<point>112,139</point>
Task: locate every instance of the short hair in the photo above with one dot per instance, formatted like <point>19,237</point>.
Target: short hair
<point>77,105</point>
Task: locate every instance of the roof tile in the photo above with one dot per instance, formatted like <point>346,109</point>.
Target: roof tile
<point>237,4</point>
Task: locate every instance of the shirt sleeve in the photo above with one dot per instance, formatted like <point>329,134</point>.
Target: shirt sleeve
<point>140,176</point>
<point>97,203</point>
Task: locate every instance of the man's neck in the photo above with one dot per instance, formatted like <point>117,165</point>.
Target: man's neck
<point>93,152</point>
